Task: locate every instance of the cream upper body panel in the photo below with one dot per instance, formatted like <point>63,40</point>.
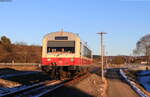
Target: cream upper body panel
<point>71,37</point>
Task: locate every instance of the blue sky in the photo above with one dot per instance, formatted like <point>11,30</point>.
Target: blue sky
<point>125,21</point>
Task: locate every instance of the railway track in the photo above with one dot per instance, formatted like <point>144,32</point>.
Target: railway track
<point>42,88</point>
<point>18,74</point>
<point>36,90</point>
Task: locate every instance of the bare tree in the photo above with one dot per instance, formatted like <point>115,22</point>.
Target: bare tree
<point>143,47</point>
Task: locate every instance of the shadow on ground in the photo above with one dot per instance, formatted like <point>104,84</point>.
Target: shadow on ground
<point>67,91</point>
<point>114,74</point>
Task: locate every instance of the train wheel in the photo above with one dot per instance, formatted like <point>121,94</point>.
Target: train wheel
<point>68,75</point>
<point>63,74</point>
<point>52,75</point>
<point>55,74</point>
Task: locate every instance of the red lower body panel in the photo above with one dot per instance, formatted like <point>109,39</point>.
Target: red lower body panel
<point>65,61</point>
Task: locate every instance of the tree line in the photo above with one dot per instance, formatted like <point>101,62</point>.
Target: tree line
<point>120,59</point>
<point>18,52</point>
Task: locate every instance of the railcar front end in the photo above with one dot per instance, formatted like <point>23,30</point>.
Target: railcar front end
<point>63,54</point>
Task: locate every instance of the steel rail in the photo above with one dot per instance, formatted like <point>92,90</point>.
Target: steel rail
<point>24,89</point>
<point>42,88</point>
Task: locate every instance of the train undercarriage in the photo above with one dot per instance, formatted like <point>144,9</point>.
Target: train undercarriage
<point>64,72</point>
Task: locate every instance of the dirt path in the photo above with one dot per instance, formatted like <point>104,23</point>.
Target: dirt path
<point>117,87</point>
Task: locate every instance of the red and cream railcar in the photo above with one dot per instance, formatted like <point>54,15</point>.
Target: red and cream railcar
<point>64,53</point>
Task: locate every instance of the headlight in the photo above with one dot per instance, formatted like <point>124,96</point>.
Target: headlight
<point>72,59</point>
<point>48,59</point>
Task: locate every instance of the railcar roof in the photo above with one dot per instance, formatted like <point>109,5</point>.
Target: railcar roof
<point>62,32</point>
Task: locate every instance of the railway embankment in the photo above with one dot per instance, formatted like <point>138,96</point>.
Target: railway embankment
<point>91,86</point>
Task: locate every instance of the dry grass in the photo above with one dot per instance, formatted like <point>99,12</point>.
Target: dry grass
<point>9,84</point>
